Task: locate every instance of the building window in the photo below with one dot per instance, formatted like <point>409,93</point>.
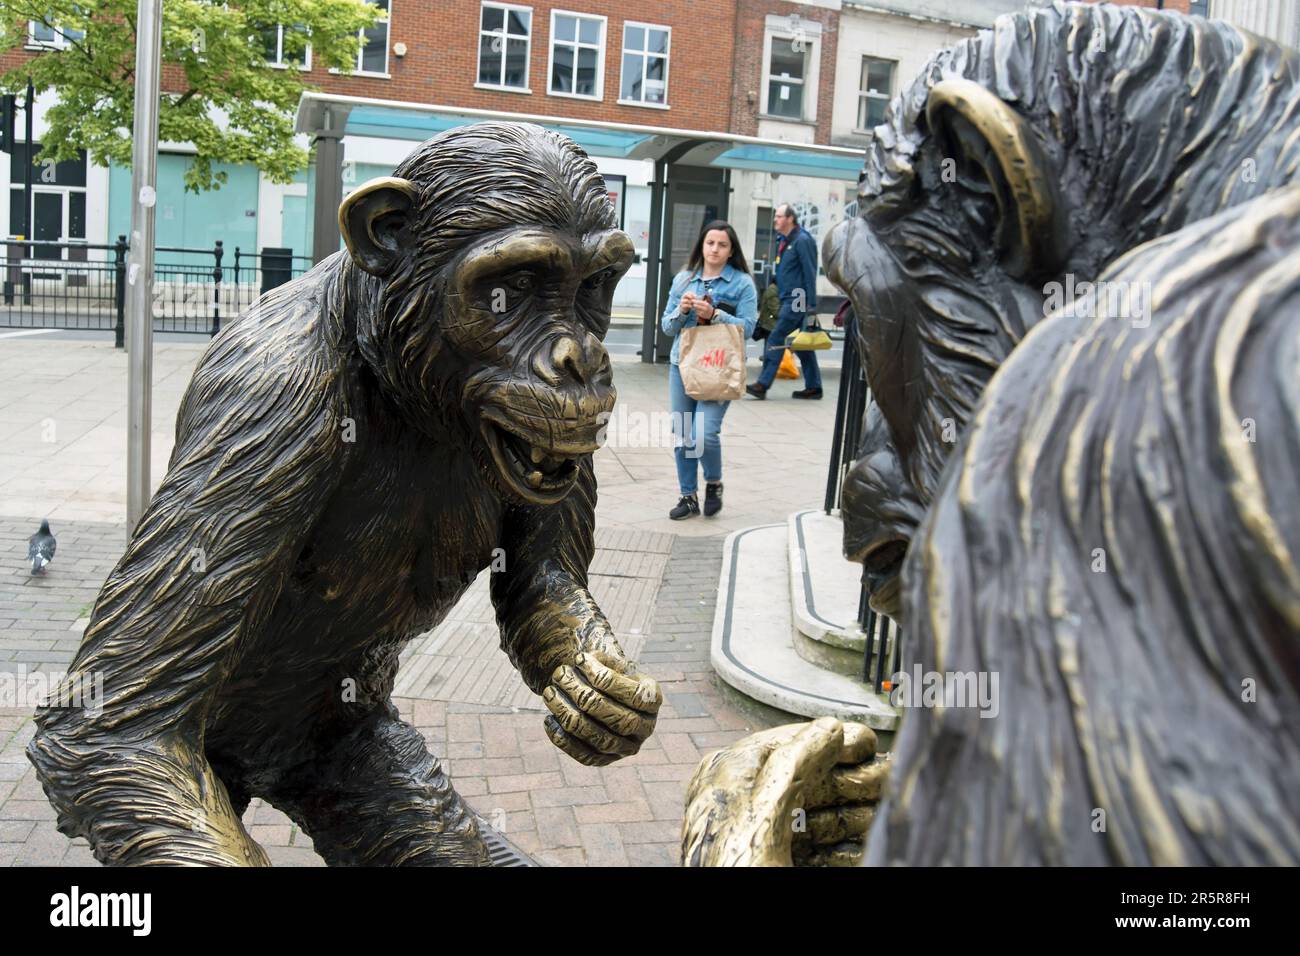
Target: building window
<point>286,46</point>
<point>577,55</point>
<point>1199,8</point>
<point>875,91</point>
<point>503,45</point>
<point>645,64</point>
<point>45,34</point>
<point>373,57</point>
<point>786,70</point>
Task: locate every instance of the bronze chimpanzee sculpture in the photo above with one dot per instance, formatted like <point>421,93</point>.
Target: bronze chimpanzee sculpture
<point>1112,526</point>
<point>349,456</point>
<point>1025,160</point>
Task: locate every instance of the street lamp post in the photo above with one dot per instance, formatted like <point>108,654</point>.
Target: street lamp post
<point>140,265</point>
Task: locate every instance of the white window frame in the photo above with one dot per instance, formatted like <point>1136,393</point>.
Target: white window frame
<point>60,41</point>
<point>388,42</point>
<point>668,60</point>
<point>528,46</point>
<point>279,63</point>
<point>778,29</point>
<point>577,45</point>
<point>867,94</point>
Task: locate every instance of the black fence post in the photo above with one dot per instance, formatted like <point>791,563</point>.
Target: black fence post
<point>216,290</point>
<point>848,371</point>
<point>119,291</point>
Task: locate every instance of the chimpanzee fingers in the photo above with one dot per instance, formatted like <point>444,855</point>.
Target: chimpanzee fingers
<point>641,693</point>
<point>864,783</point>
<point>848,853</point>
<point>859,743</point>
<point>836,824</point>
<point>574,747</point>
<point>622,720</point>
<point>575,722</point>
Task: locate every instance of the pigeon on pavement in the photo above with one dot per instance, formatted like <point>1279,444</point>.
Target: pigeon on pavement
<point>40,548</point>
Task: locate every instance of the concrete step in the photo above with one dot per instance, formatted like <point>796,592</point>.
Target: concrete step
<point>827,656</point>
<point>753,646</point>
<point>824,585</point>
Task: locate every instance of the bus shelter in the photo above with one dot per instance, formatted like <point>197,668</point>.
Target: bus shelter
<point>691,183</point>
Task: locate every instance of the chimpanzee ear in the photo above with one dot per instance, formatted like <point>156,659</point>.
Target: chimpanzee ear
<point>374,221</point>
<point>994,151</point>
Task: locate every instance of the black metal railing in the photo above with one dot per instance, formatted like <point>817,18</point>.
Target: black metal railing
<point>883,637</point>
<point>187,295</point>
<point>850,410</point>
<point>79,285</point>
<point>255,273</point>
<point>884,643</point>
<point>73,285</point>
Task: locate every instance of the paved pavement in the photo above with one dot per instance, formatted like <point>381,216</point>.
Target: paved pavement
<point>62,441</point>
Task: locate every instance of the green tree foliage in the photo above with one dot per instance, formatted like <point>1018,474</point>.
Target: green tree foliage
<point>220,93</point>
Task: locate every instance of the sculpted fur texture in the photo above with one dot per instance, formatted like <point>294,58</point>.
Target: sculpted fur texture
<point>1118,537</point>
<point>1025,160</point>
<point>348,457</point>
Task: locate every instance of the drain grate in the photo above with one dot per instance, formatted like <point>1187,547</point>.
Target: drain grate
<point>501,852</point>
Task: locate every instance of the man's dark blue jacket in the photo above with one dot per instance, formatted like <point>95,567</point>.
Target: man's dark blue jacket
<point>798,268</point>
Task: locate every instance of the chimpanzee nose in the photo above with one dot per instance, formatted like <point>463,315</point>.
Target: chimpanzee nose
<point>586,363</point>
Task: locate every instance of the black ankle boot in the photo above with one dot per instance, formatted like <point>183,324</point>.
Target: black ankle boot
<point>688,506</point>
<point>712,498</point>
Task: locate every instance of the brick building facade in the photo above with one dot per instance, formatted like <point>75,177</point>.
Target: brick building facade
<point>443,43</point>
<point>811,33</point>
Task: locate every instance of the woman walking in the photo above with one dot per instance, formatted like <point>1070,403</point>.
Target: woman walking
<point>715,286</point>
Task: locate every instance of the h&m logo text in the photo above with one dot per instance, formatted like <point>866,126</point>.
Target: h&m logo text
<point>715,358</point>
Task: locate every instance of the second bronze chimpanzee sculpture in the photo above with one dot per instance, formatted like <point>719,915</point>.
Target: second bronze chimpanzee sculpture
<point>349,456</point>
<point>1094,491</point>
<point>1022,160</point>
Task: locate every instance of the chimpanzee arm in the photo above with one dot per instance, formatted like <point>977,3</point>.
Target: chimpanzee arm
<point>257,454</point>
<point>558,638</point>
<point>544,609</point>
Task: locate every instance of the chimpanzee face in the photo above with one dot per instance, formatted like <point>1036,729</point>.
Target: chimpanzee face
<point>530,307</point>
<point>945,273</point>
<point>497,276</point>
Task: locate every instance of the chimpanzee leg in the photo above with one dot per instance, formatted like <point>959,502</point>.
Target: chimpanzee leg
<point>379,798</point>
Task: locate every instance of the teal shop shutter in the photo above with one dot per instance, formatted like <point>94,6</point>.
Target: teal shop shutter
<point>189,220</point>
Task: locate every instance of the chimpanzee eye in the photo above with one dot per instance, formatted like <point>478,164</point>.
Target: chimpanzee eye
<point>521,282</point>
<point>598,279</point>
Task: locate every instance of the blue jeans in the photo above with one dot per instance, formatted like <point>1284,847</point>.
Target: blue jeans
<point>788,321</point>
<point>697,434</point>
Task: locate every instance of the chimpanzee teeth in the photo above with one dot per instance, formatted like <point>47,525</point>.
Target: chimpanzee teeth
<point>535,479</point>
<point>536,454</point>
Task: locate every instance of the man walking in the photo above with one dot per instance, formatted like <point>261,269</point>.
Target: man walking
<point>796,281</point>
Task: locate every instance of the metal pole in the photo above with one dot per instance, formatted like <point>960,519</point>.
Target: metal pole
<point>29,230</point>
<point>329,189</point>
<point>650,310</point>
<point>140,269</point>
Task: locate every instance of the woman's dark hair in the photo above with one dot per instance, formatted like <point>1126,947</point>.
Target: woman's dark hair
<point>737,259</point>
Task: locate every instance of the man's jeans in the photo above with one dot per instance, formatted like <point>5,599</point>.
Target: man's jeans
<point>788,321</point>
<point>701,424</point>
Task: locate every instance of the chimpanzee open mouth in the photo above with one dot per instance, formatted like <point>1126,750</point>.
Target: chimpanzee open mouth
<point>531,471</point>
